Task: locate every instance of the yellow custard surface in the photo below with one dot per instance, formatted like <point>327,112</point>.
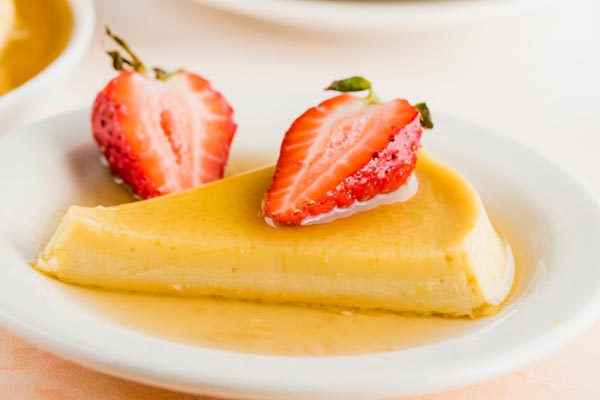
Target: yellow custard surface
<point>32,34</point>
<point>435,254</point>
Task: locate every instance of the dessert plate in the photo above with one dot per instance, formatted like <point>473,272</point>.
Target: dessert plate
<point>552,219</point>
<point>371,16</point>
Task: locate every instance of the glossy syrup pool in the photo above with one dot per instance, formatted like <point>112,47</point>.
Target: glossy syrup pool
<point>266,329</point>
<point>254,327</point>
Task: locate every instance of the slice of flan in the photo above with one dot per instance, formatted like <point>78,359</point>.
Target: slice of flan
<point>435,254</point>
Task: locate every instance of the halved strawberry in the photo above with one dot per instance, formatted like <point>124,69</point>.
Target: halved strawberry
<point>161,134</point>
<point>346,149</point>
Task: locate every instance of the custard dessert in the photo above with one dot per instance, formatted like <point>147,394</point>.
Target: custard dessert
<point>353,215</point>
<point>436,253</point>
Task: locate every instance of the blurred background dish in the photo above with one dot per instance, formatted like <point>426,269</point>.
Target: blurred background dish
<point>372,16</point>
<point>34,34</point>
<point>40,42</point>
<point>7,20</point>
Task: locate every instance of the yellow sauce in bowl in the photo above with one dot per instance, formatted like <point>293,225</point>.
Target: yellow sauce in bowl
<point>40,32</point>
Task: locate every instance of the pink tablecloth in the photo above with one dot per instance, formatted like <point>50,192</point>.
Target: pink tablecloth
<point>27,373</point>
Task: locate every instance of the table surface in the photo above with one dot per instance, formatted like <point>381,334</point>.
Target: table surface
<point>532,76</point>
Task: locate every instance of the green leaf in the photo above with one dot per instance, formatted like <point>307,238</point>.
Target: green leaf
<point>426,121</point>
<point>117,60</point>
<point>161,74</point>
<point>352,84</point>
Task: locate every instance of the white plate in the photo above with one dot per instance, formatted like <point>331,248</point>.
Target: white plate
<point>551,216</point>
<point>372,16</point>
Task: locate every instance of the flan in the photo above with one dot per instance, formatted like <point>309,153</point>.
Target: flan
<point>434,254</point>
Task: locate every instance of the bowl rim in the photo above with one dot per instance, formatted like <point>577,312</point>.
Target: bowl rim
<point>84,21</point>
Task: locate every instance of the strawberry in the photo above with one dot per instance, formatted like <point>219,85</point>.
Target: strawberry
<point>347,149</point>
<point>161,134</point>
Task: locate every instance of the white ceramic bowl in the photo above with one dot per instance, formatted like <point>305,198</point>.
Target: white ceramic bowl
<point>15,104</point>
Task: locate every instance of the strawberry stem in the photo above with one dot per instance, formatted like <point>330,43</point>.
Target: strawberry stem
<point>161,74</point>
<point>133,63</point>
<point>358,84</point>
<point>426,121</point>
<point>119,62</point>
<point>355,84</point>
<point>372,98</point>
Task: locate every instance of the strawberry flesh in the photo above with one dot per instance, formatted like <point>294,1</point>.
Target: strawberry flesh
<point>163,136</point>
<point>342,151</point>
